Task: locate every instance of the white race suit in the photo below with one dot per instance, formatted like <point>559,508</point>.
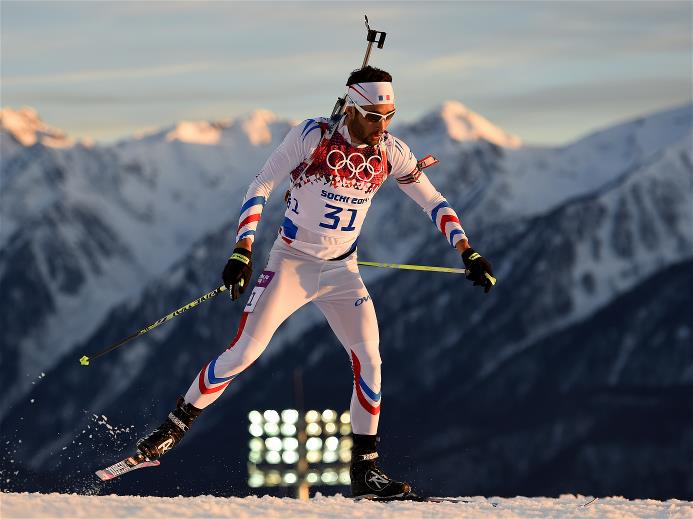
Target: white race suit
<point>314,256</point>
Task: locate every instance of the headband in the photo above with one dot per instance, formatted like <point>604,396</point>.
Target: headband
<point>377,93</point>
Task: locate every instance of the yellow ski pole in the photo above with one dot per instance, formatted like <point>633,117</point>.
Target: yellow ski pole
<point>84,361</point>
<point>426,268</point>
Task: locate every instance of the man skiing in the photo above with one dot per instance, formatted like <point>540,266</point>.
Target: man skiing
<point>332,183</point>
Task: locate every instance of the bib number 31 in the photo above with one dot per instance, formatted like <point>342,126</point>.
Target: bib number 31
<point>334,216</point>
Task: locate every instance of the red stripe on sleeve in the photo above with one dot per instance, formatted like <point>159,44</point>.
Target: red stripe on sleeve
<point>448,218</point>
<point>248,219</point>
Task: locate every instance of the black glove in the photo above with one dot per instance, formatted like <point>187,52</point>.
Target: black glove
<point>237,272</point>
<point>479,270</point>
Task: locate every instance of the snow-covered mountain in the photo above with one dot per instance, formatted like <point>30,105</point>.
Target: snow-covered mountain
<point>98,241</point>
<point>84,229</point>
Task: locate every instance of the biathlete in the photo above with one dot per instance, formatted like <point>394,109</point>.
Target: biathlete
<point>332,184</point>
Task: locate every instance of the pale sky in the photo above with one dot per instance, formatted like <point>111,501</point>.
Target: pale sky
<point>548,72</point>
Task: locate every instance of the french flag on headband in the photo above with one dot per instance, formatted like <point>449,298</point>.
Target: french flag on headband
<point>377,92</point>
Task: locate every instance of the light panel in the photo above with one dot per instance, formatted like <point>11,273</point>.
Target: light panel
<point>275,450</point>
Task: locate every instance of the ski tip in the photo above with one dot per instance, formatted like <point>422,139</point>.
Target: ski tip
<point>138,461</point>
<point>103,475</point>
<point>84,361</point>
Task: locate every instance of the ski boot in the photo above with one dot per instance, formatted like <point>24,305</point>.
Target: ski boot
<point>169,433</point>
<point>368,481</point>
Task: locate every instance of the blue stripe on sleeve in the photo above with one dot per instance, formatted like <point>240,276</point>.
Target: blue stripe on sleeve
<point>316,127</point>
<point>308,123</point>
<point>253,201</point>
<point>454,233</point>
<point>246,234</point>
<point>437,208</point>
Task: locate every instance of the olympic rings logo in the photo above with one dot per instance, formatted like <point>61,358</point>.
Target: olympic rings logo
<point>355,168</point>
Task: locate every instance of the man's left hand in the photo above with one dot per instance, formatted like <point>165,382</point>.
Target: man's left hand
<point>479,270</point>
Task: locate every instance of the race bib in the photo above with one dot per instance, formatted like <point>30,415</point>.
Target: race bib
<point>262,282</point>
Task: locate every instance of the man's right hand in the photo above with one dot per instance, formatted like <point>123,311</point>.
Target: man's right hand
<point>237,272</point>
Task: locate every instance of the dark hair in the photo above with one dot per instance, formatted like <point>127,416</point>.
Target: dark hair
<point>368,74</point>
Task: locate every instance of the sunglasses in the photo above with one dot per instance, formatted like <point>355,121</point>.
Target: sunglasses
<point>373,117</point>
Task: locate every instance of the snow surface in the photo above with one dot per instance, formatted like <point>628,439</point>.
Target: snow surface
<point>568,506</point>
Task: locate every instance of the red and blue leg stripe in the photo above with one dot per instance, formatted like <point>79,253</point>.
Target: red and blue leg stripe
<point>209,368</point>
<point>361,387</point>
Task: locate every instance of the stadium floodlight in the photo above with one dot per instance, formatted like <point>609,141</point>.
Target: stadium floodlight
<point>273,444</point>
<point>328,415</point>
<point>290,444</point>
<point>314,456</point>
<point>345,423</point>
<point>273,478</point>
<point>329,456</point>
<point>271,416</point>
<point>314,444</point>
<point>290,416</point>
<point>290,457</point>
<point>256,479</point>
<point>271,428</point>
<point>312,416</point>
<point>344,457</point>
<point>332,443</point>
<point>288,429</point>
<point>293,449</point>
<point>273,457</point>
<point>313,429</point>
<point>330,477</point>
<point>255,457</point>
<point>344,476</point>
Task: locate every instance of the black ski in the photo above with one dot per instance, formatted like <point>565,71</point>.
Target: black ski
<point>416,498</point>
<point>134,462</point>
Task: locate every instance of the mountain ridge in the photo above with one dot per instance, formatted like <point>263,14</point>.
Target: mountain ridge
<point>148,223</point>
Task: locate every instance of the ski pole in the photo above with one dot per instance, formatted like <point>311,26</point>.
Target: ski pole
<point>426,268</point>
<point>84,361</point>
